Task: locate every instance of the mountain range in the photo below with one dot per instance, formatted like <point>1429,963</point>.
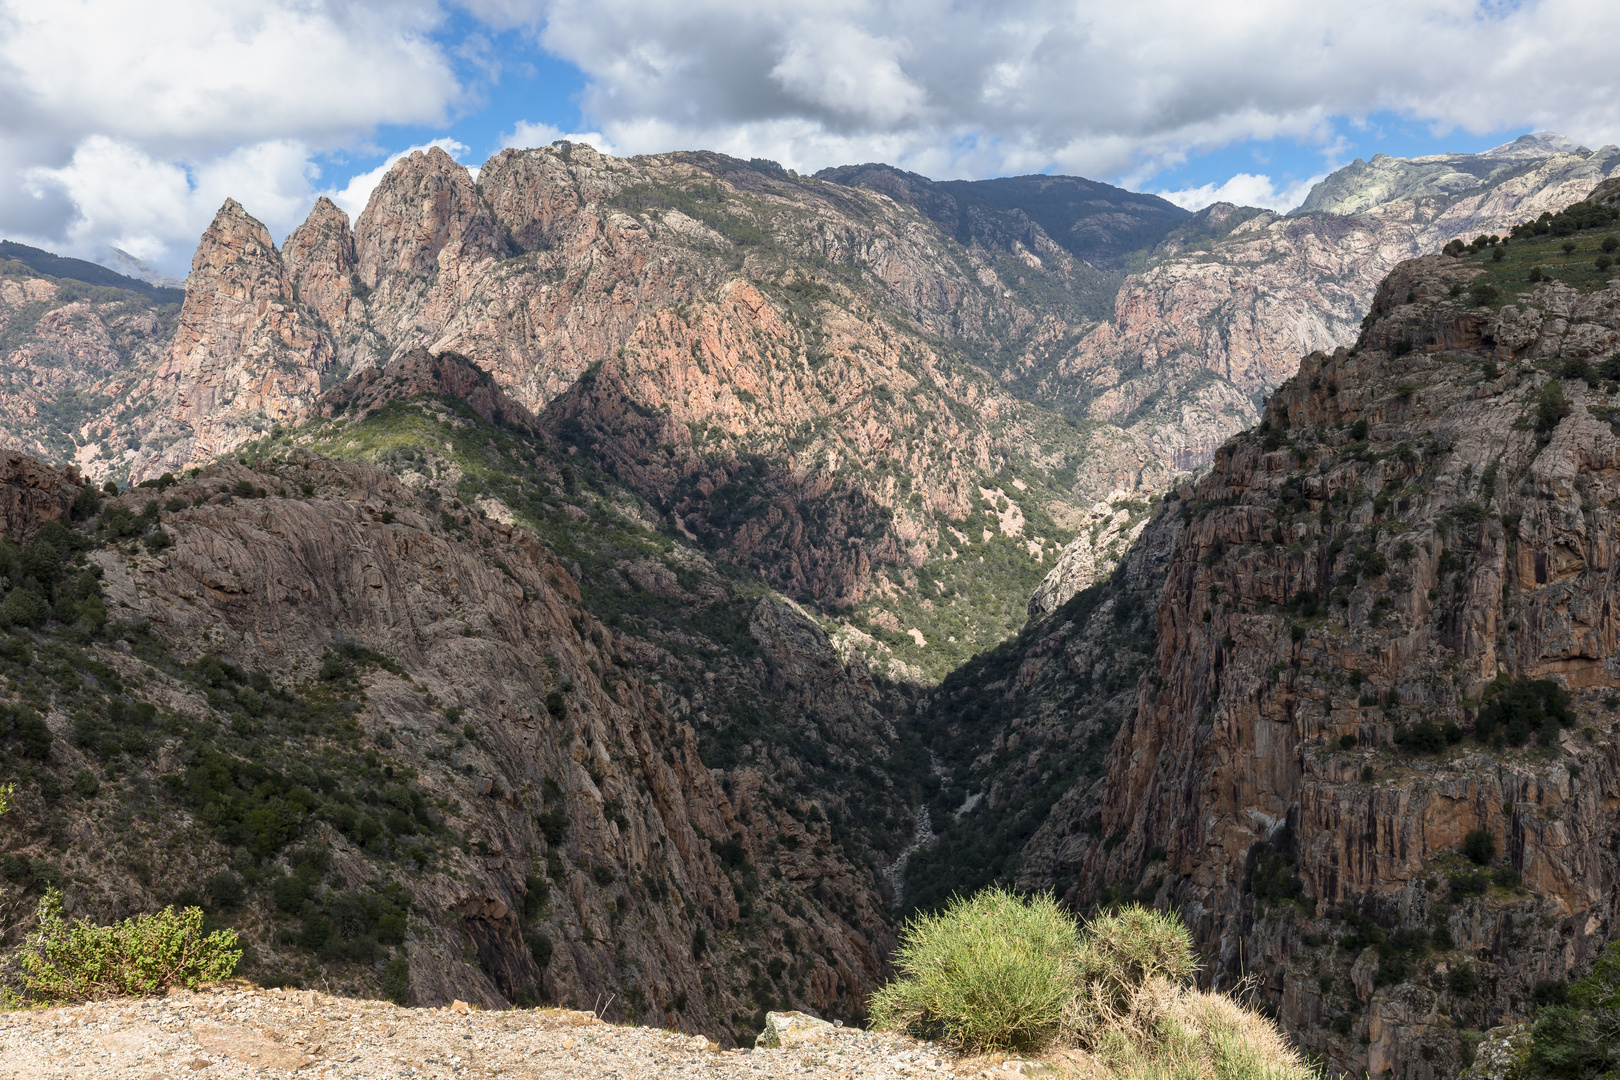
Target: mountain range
<point>649,578</point>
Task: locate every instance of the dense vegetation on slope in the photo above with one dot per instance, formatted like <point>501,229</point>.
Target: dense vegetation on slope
<point>253,762</point>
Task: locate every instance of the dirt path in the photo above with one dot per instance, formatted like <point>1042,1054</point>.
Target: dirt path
<point>261,1034</point>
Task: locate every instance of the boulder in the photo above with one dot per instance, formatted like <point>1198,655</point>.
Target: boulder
<point>1502,1054</point>
<point>786,1030</point>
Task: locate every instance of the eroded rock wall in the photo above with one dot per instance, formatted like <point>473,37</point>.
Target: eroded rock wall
<point>1408,528</point>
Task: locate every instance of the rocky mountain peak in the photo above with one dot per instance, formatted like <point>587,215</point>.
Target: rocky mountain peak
<point>236,243</point>
<point>1537,144</point>
<point>320,257</point>
<point>245,354</point>
<point>536,194</point>
<point>425,203</point>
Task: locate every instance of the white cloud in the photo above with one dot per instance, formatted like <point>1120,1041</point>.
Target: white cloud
<point>1099,88</point>
<point>352,197</point>
<point>124,197</point>
<point>125,123</point>
<point>201,74</point>
<point>1244,189</point>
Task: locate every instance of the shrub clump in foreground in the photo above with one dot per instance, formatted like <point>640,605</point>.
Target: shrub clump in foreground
<point>1000,972</point>
<point>144,955</point>
<point>988,972</point>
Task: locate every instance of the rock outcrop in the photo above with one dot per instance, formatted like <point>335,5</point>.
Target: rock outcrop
<point>1103,536</point>
<point>321,261</point>
<point>32,493</point>
<point>422,243</point>
<point>246,354</point>
<point>418,372</point>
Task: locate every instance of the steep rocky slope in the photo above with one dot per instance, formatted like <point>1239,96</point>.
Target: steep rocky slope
<point>379,732</point>
<point>1372,753</point>
<point>75,357</point>
<point>1232,298</point>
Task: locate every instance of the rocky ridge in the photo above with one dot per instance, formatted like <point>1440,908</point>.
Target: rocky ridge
<point>757,355</point>
<point>1232,298</point>
<point>691,281</point>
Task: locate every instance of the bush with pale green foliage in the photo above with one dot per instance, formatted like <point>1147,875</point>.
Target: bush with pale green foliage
<point>1120,951</point>
<point>1001,972</point>
<point>145,955</point>
<point>1171,1031</point>
<point>991,971</point>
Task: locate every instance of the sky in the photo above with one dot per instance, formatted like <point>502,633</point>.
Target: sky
<point>125,123</point>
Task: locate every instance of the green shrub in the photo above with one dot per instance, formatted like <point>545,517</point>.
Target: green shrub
<point>993,971</point>
<point>85,784</point>
<point>999,972</point>
<point>1515,709</point>
<point>1120,952</point>
<point>226,889</point>
<point>143,955</point>
<point>1551,407</point>
<point>396,982</point>
<point>1576,367</point>
<point>1480,846</point>
<point>539,948</point>
<point>23,607</point>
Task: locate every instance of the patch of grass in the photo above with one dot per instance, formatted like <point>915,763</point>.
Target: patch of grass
<point>1515,266</point>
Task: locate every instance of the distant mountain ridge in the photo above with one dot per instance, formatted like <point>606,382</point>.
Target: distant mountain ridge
<point>726,330</point>
<point>89,273</point>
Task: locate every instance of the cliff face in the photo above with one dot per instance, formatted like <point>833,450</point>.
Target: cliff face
<point>551,830</point>
<point>1362,600</point>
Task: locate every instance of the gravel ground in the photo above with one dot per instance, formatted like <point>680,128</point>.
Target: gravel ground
<point>269,1033</point>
